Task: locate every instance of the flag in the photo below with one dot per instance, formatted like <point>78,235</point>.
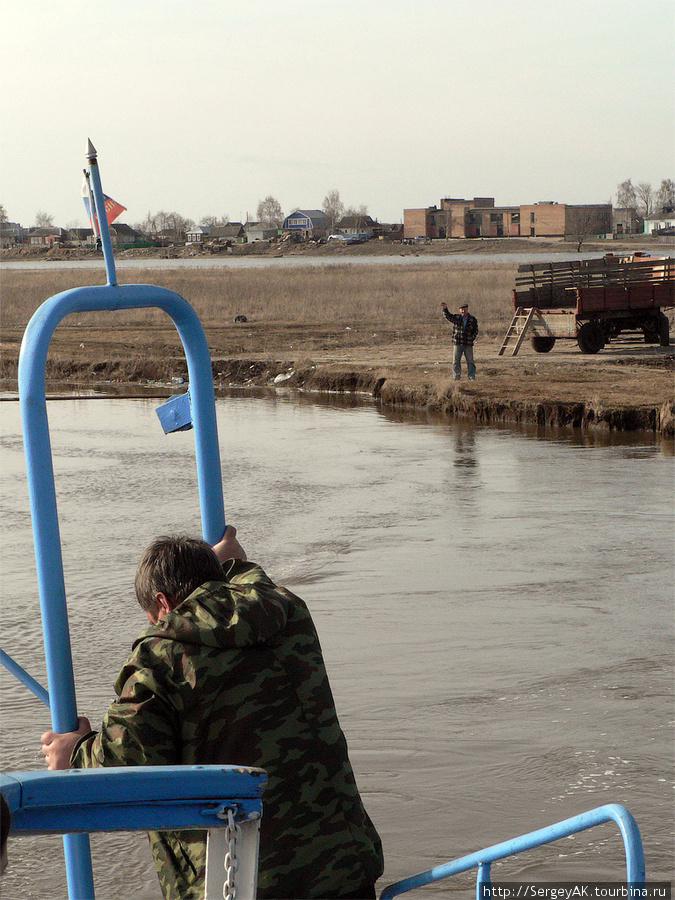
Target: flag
<point>112,207</point>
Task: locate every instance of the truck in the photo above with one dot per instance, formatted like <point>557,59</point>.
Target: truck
<point>592,301</point>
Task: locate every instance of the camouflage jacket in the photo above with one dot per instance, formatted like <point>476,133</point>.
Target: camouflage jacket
<point>465,328</point>
<point>235,675</point>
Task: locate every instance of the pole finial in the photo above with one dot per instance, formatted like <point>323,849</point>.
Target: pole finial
<point>91,150</point>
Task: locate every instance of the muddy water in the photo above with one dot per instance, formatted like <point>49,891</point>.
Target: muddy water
<point>495,608</point>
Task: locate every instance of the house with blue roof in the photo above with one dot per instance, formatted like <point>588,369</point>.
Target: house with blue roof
<point>307,224</point>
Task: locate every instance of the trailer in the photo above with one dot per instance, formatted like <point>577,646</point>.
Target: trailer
<point>592,301</point>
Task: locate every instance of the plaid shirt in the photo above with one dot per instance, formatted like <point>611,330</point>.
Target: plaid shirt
<point>465,328</point>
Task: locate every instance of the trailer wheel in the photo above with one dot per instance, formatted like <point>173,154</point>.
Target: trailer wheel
<point>664,329</point>
<point>590,337</point>
<point>543,343</point>
<point>651,333</point>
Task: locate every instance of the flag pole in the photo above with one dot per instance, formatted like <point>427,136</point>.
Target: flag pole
<point>93,221</point>
<point>104,233</point>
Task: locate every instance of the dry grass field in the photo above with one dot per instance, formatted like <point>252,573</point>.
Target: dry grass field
<point>361,326</point>
<point>391,296</point>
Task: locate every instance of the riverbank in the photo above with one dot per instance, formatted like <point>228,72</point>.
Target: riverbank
<point>348,329</point>
<point>657,245</point>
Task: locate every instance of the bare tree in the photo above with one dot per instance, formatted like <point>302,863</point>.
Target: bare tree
<point>359,214</point>
<point>588,221</point>
<point>626,198</point>
<point>361,210</point>
<point>3,215</point>
<point>43,220</point>
<point>665,197</point>
<point>168,223</point>
<point>216,221</point>
<point>269,212</point>
<point>333,207</point>
<point>645,196</point>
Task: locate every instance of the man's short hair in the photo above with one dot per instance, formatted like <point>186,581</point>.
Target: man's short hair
<point>175,565</point>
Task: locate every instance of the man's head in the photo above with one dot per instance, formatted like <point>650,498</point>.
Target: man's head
<point>170,569</point>
<point>464,308</point>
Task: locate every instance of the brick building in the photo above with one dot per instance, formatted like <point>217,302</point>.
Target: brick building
<point>551,219</point>
<point>457,218</point>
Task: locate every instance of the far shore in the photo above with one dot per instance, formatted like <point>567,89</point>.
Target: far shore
<point>332,249</point>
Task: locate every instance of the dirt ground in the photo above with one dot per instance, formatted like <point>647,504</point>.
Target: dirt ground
<point>628,385</point>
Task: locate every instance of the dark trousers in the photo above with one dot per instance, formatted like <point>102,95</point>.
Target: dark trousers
<point>364,893</point>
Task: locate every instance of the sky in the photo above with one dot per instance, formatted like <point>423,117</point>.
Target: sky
<point>205,107</point>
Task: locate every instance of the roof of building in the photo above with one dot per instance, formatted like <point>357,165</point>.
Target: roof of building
<point>666,212</point>
<point>44,231</point>
<point>121,228</point>
<point>314,215</point>
<point>356,221</point>
<point>232,229</point>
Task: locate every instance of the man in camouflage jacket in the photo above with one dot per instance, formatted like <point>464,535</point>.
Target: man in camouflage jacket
<point>233,673</point>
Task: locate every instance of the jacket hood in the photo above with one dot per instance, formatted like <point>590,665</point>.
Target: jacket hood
<point>227,614</point>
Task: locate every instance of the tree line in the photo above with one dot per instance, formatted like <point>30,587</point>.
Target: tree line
<point>641,197</point>
<point>269,214</point>
<point>644,198</point>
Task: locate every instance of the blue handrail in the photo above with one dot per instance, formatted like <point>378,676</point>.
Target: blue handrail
<point>482,859</point>
<point>130,798</point>
<point>40,474</point>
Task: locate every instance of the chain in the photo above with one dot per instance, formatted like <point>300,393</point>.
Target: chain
<point>232,835</point>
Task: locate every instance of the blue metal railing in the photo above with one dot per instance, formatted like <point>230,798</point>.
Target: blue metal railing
<point>147,798</point>
<point>482,859</point>
<point>40,474</point>
<point>130,798</point>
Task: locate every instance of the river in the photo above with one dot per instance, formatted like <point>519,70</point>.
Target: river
<point>218,261</point>
<point>495,608</point>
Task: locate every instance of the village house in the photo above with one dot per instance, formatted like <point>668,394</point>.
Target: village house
<point>256,231</point>
<point>307,224</point>
<point>11,233</point>
<point>123,235</point>
<point>362,225</point>
<point>80,237</point>
<point>197,235</point>
<point>232,233</point>
<point>390,232</point>
<point>661,221</point>
<point>46,236</point>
